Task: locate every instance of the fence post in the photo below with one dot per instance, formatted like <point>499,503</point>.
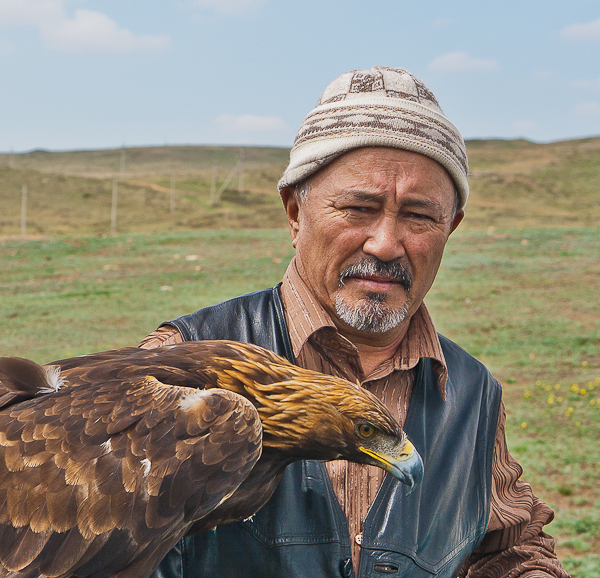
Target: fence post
<point>23,210</point>
<point>226,182</point>
<point>122,167</point>
<point>113,208</point>
<point>241,171</point>
<point>213,185</point>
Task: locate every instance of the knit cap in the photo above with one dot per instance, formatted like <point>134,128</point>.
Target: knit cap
<point>382,107</point>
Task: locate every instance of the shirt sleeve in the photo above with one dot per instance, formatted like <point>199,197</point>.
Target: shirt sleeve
<point>515,543</point>
<point>165,335</point>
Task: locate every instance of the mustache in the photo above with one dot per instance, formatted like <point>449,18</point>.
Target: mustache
<point>369,266</point>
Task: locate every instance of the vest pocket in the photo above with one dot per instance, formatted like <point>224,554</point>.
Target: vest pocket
<point>388,564</point>
<point>297,515</point>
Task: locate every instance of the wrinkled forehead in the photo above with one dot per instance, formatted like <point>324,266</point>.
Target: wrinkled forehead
<point>383,173</point>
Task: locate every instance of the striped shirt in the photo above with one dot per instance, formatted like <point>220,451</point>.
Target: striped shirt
<point>514,543</point>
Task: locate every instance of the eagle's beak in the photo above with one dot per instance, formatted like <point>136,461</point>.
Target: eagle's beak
<point>406,464</point>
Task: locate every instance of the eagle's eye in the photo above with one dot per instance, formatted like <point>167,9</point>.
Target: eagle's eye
<point>365,430</point>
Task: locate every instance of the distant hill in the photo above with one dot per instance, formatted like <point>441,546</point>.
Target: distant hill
<point>520,184</point>
<point>150,162</point>
<point>71,192</point>
<point>514,184</point>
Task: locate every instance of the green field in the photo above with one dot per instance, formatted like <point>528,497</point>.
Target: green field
<point>518,288</point>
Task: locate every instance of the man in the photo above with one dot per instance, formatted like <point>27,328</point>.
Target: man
<point>377,182</point>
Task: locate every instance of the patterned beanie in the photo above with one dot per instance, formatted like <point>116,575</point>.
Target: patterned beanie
<point>382,107</point>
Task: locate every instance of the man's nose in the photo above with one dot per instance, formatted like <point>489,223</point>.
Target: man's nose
<point>385,240</point>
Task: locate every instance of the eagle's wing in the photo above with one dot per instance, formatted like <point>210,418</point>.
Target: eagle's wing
<point>190,364</point>
<point>113,474</point>
<point>186,364</point>
<point>95,358</point>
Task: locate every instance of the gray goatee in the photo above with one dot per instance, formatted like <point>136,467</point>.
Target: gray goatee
<point>372,314</point>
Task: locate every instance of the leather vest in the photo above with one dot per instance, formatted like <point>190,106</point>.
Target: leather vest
<point>303,533</point>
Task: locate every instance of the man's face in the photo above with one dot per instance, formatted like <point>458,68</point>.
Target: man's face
<point>369,239</point>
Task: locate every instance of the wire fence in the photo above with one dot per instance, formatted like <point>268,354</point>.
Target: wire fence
<point>51,202</point>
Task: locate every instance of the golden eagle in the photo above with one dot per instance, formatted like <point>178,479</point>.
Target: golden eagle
<point>108,459</point>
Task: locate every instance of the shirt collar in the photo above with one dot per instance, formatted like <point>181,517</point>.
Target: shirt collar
<point>308,319</point>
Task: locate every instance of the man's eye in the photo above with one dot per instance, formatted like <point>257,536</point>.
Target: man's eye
<point>419,216</point>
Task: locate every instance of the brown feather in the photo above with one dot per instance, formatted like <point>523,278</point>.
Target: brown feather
<point>64,551</point>
<point>62,508</point>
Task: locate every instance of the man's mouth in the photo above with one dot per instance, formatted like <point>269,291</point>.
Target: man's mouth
<point>377,283</point>
<point>376,275</point>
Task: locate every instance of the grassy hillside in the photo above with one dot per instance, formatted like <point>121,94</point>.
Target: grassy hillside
<point>515,184</point>
<point>161,189</point>
<point>523,184</point>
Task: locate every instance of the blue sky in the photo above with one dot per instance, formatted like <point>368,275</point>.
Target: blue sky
<point>82,74</point>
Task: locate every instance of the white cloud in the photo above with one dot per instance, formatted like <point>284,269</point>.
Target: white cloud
<point>93,31</point>
<point>88,30</point>
<point>587,31</point>
<point>587,109</point>
<point>228,6</point>
<point>458,61</point>
<point>250,123</point>
<point>29,12</point>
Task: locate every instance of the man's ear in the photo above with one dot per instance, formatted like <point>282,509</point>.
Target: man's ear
<point>460,214</point>
<point>292,210</point>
